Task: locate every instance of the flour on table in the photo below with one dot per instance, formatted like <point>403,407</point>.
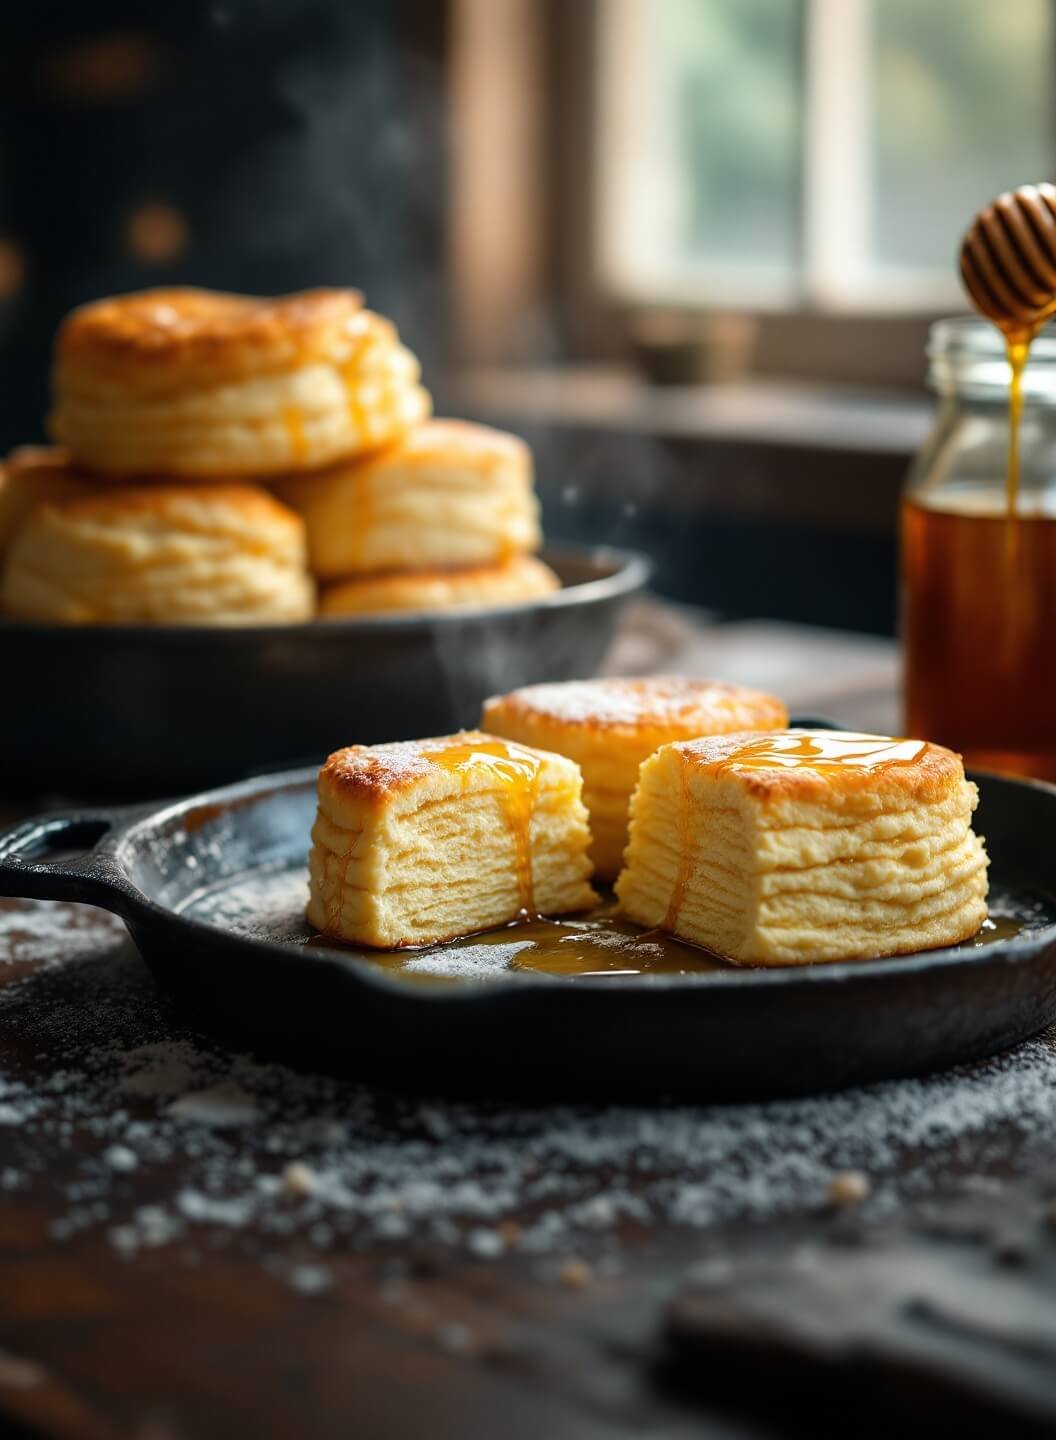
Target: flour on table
<point>259,1154</point>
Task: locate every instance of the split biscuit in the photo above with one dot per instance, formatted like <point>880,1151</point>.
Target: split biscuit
<point>805,846</point>
<point>427,840</point>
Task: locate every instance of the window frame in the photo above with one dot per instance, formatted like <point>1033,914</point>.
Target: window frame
<point>829,331</point>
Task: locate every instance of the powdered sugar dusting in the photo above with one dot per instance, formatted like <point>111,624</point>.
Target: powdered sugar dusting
<point>687,707</point>
<point>92,1069</point>
<point>224,1104</point>
<point>466,962</point>
<point>381,768</point>
<point>38,934</point>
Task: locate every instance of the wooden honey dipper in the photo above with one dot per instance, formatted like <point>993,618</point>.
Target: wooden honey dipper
<point>1008,260</point>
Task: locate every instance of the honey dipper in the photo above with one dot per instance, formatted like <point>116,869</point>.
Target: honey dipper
<point>1008,260</point>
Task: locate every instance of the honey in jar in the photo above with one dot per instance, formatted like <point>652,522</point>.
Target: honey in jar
<point>978,548</point>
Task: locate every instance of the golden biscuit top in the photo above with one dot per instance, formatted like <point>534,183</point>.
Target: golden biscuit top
<point>243,510</point>
<point>791,763</point>
<point>376,773</point>
<point>184,336</point>
<point>662,702</point>
<point>453,443</point>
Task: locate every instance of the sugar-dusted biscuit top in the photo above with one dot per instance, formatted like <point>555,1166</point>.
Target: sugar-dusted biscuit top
<point>672,704</point>
<point>408,773</point>
<point>610,726</point>
<point>803,845</point>
<point>451,494</point>
<point>423,840</point>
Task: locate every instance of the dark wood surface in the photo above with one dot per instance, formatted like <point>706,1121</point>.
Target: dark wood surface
<point>209,1334</point>
<point>731,1299</point>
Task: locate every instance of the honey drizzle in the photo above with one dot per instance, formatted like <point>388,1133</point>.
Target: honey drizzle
<point>598,945</point>
<point>361,331</point>
<point>293,419</point>
<point>517,771</point>
<point>824,752</point>
<point>1017,347</point>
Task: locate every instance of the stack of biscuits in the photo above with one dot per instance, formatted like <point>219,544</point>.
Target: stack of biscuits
<point>765,845</point>
<point>226,460</point>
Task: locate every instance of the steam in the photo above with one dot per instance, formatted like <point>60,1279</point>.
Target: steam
<point>349,183</point>
<point>350,180</point>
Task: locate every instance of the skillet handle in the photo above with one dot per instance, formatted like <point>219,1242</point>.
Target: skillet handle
<point>65,857</point>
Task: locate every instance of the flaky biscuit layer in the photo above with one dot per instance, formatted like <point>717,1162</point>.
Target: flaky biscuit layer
<point>163,554</point>
<point>793,864</point>
<point>450,494</point>
<point>426,840</point>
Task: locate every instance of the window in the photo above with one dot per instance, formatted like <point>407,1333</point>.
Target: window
<point>782,153</point>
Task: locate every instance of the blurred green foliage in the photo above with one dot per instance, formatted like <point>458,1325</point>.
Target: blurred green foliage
<point>963,95</point>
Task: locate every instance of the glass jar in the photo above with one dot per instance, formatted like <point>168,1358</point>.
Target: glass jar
<point>978,574</point>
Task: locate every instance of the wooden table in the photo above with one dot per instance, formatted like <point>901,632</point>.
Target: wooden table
<point>178,1257</point>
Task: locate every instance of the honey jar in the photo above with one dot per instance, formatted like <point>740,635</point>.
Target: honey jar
<point>978,555</point>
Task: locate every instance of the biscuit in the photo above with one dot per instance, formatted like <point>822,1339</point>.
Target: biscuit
<point>164,554</point>
<point>610,726</point>
<point>452,494</point>
<point>805,845</point>
<point>186,382</point>
<point>31,476</point>
<point>522,577</point>
<point>430,839</point>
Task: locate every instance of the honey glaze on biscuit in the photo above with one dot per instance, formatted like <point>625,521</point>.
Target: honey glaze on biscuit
<point>293,419</point>
<point>835,753</point>
<point>823,753</point>
<point>362,332</point>
<point>516,773</point>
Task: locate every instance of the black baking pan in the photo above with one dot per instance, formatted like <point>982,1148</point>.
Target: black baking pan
<point>137,710</point>
<point>718,1034</point>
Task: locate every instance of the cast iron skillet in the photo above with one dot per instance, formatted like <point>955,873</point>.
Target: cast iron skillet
<point>728,1034</point>
<point>149,710</point>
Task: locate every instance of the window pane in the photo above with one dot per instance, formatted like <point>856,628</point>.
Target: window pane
<point>963,108</point>
<point>701,138</point>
